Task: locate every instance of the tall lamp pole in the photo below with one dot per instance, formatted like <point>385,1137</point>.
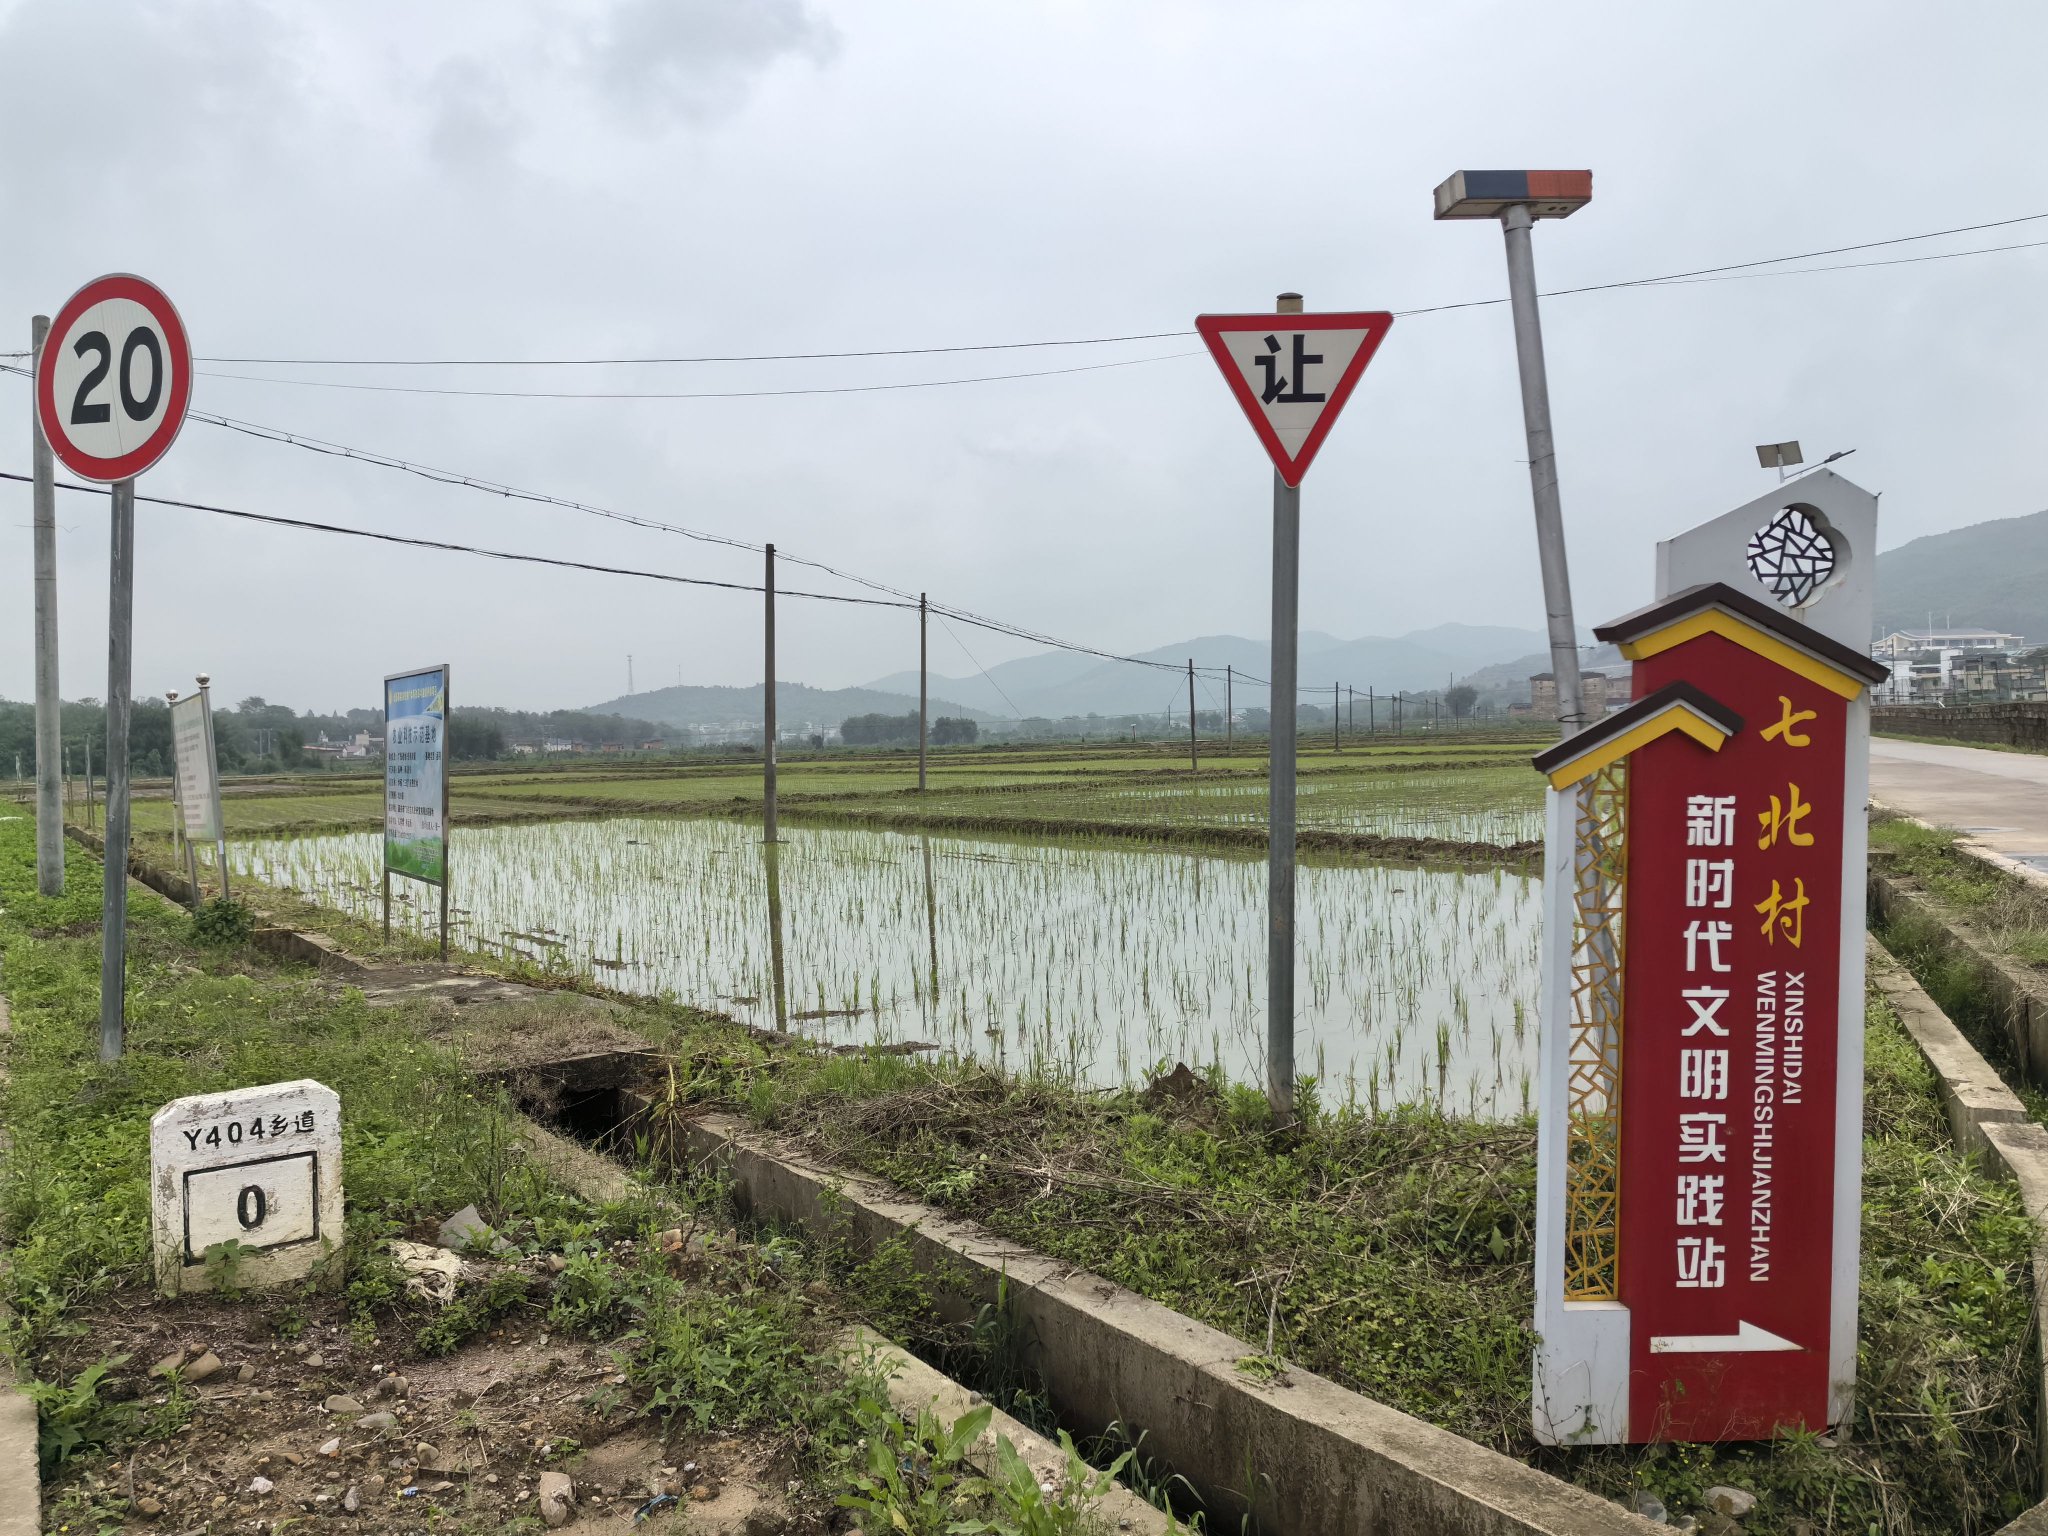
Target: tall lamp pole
<point>1518,199</point>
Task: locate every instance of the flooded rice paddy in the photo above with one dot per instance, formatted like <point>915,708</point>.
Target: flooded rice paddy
<point>1097,964</point>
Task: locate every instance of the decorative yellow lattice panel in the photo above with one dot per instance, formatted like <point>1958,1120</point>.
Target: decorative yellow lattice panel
<point>1593,1115</point>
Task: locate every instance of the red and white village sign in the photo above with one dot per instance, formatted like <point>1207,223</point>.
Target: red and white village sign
<point>1702,1051</point>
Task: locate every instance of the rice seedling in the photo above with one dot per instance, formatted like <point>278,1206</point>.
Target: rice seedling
<point>1072,960</point>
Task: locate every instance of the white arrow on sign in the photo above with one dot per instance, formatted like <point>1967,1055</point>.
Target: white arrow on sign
<point>1746,1339</point>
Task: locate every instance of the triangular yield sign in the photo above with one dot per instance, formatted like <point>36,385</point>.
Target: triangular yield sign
<point>1293,373</point>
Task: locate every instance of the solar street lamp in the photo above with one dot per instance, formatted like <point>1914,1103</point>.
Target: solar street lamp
<point>1518,199</point>
<point>1787,460</point>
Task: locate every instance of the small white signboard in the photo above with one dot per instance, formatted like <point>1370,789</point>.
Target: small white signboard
<point>259,1168</point>
<point>193,757</point>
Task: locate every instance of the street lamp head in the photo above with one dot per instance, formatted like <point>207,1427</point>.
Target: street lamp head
<point>1489,194</point>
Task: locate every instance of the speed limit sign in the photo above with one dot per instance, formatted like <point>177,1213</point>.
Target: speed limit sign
<point>114,379</point>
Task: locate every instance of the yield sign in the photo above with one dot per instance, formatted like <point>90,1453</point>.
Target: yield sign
<point>1292,374</point>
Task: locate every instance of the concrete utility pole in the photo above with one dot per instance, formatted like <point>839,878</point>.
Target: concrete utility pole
<point>1557,585</point>
<point>923,686</point>
<point>768,709</point>
<point>1280,789</point>
<point>49,706</point>
<point>1336,720</point>
<point>120,668</point>
<point>1194,756</point>
<point>1229,709</point>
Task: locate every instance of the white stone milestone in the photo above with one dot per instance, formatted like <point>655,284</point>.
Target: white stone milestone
<point>259,1167</point>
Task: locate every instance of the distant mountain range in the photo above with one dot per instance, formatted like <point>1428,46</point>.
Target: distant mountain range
<point>1056,684</point>
<point>1989,575</point>
<point>1993,575</point>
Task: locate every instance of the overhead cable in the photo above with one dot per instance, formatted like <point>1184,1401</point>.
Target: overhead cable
<point>1094,341</point>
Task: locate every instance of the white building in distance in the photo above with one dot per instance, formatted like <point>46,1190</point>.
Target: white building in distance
<point>1911,642</point>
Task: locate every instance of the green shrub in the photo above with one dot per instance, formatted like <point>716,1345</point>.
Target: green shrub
<point>223,923</point>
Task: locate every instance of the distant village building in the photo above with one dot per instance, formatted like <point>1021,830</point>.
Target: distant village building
<point>1912,642</point>
<point>1598,692</point>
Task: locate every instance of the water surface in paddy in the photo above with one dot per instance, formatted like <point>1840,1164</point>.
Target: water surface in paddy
<point>1097,963</point>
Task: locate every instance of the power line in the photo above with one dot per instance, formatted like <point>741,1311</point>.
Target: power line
<point>739,357</point>
<point>1677,278</point>
<point>1092,341</point>
<point>976,664</point>
<point>964,616</point>
<point>306,525</point>
<point>702,394</point>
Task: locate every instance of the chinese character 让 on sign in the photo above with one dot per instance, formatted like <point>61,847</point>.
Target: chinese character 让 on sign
<point>1283,388</point>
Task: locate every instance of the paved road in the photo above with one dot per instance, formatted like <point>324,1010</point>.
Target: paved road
<point>1999,798</point>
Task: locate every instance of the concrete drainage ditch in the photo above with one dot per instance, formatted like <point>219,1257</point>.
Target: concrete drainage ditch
<point>1299,1454</point>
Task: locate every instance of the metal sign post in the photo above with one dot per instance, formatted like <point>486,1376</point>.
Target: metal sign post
<point>1291,373</point>
<point>49,748</point>
<point>112,384</point>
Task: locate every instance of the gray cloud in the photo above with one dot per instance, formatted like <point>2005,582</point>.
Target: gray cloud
<point>474,124</point>
<point>694,61</point>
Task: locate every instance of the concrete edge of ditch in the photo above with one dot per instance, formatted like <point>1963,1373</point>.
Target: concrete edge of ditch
<point>20,1459</point>
<point>1973,1095</point>
<point>1988,1122</point>
<point>2020,1000</point>
<point>1302,1452</point>
<point>912,1385</point>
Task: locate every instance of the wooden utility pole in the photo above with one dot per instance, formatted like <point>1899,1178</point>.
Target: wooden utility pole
<point>1194,754</point>
<point>923,692</point>
<point>768,707</point>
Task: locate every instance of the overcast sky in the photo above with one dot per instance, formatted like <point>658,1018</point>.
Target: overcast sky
<point>624,177</point>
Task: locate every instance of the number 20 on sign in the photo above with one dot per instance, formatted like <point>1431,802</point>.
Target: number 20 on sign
<point>115,379</point>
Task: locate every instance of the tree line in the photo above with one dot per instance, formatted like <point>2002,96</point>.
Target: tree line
<point>895,730</point>
<point>256,736</point>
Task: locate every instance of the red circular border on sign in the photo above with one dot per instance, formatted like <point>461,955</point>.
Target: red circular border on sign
<point>118,285</point>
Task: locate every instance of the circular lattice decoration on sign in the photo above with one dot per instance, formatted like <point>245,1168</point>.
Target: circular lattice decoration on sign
<point>1791,557</point>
